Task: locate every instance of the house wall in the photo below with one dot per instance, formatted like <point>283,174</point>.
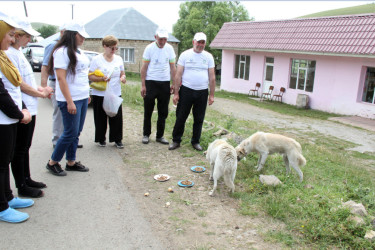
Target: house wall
<point>139,47</point>
<point>338,81</point>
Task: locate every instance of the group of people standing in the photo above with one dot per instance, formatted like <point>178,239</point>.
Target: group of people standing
<point>193,86</point>
<point>68,71</point>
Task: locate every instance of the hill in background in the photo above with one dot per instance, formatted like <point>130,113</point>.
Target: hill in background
<point>360,9</point>
<point>37,25</point>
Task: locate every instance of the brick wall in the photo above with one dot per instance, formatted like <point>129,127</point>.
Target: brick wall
<point>138,46</point>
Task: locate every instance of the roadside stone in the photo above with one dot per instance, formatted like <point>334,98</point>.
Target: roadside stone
<point>355,208</point>
<point>370,235</point>
<point>358,221</point>
<point>221,132</point>
<point>308,186</point>
<point>269,180</point>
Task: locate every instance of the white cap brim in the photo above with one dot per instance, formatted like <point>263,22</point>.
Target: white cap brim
<point>8,20</point>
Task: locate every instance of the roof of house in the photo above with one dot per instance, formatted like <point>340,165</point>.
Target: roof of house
<point>126,24</point>
<point>351,35</point>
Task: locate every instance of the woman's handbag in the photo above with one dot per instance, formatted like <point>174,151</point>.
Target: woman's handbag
<point>101,86</point>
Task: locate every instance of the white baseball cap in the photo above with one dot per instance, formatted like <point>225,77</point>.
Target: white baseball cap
<point>78,27</point>
<point>25,25</point>
<point>161,33</point>
<point>200,36</point>
<point>62,26</point>
<point>8,20</point>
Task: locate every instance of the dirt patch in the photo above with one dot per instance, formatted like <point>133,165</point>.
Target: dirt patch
<point>188,218</point>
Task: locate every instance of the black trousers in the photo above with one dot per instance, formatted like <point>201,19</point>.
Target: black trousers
<point>159,90</point>
<point>195,100</point>
<point>8,134</point>
<point>20,163</point>
<point>101,119</point>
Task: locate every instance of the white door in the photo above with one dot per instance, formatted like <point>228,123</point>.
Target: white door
<point>268,74</point>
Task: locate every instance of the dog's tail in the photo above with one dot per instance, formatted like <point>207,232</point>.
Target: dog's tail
<point>301,160</point>
<point>230,167</point>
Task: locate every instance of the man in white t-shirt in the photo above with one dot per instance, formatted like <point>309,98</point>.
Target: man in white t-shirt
<point>157,70</point>
<point>195,73</point>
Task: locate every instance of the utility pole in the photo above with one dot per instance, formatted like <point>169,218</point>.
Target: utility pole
<point>24,6</point>
<point>72,10</point>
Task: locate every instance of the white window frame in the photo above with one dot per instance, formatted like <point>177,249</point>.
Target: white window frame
<point>241,67</point>
<point>125,56</point>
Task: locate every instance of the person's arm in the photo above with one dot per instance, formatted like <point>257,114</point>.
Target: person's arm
<point>61,77</point>
<point>43,93</point>
<point>177,83</point>
<point>7,105</point>
<point>44,76</point>
<point>44,70</point>
<point>173,75</point>
<point>123,77</point>
<point>212,83</point>
<point>143,77</point>
<point>95,78</point>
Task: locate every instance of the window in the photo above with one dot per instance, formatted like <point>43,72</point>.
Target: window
<point>302,75</point>
<point>127,54</point>
<point>242,67</point>
<point>269,69</point>
<point>368,88</point>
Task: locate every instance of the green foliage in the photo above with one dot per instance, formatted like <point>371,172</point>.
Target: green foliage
<point>361,9</point>
<point>207,17</point>
<point>47,30</point>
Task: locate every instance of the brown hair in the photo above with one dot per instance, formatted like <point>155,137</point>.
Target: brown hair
<point>109,41</point>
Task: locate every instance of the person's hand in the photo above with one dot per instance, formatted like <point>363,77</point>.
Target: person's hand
<point>176,97</point>
<point>72,108</point>
<point>123,79</point>
<point>89,100</point>
<point>210,100</point>
<point>47,92</point>
<point>143,91</point>
<point>26,116</point>
<point>171,91</point>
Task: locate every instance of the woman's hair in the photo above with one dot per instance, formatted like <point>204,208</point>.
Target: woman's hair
<point>68,40</point>
<point>109,41</point>
<point>4,28</point>
<point>20,32</point>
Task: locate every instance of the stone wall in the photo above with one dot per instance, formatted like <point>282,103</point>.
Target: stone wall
<point>139,47</point>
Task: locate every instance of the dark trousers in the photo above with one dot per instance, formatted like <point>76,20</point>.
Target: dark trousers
<point>8,134</point>
<point>190,99</point>
<point>20,163</point>
<point>159,90</point>
<point>101,119</point>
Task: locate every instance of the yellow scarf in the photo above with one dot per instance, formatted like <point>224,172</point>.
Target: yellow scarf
<point>6,66</point>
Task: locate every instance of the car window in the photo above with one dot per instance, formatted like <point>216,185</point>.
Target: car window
<point>38,51</point>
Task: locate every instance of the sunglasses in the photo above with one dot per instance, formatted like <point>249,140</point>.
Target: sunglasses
<point>113,48</point>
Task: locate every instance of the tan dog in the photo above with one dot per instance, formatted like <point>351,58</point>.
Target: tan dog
<point>266,143</point>
<point>223,160</point>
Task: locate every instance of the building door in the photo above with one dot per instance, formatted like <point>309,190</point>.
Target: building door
<point>268,73</point>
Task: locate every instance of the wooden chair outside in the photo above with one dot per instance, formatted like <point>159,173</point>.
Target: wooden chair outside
<point>280,95</point>
<point>267,95</point>
<point>255,90</point>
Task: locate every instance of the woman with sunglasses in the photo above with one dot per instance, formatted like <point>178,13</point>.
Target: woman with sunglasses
<point>71,67</point>
<point>30,92</point>
<point>112,67</point>
<point>12,111</point>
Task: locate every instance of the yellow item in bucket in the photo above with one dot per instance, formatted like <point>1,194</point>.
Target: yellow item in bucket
<point>101,86</point>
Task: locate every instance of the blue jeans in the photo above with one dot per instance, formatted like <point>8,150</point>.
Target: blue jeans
<point>73,125</point>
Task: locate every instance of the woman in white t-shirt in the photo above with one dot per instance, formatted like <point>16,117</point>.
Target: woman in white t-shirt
<point>71,68</point>
<point>12,111</point>
<point>20,163</point>
<point>112,67</point>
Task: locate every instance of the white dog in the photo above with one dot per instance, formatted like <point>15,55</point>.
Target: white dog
<point>223,160</point>
<point>267,143</point>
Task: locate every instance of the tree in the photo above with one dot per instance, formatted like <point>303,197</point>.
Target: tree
<point>207,17</point>
<point>47,30</point>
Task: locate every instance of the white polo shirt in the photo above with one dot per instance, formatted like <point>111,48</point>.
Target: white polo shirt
<point>15,93</point>
<point>117,65</point>
<point>196,67</point>
<point>159,58</point>
<point>27,74</point>
<point>79,83</point>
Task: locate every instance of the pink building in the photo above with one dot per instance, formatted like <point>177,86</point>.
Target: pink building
<point>329,59</point>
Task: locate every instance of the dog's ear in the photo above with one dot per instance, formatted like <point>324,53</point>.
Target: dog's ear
<point>205,152</point>
<point>242,151</point>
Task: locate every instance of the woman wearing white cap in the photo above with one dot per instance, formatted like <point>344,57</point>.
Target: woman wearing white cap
<point>12,111</point>
<point>20,163</point>
<point>71,68</point>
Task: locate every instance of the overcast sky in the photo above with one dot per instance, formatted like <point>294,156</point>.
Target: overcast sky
<point>163,13</point>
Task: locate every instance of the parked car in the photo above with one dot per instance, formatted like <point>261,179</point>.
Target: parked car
<point>34,55</point>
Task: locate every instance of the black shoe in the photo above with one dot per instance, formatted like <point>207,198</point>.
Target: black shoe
<point>162,140</point>
<point>174,145</point>
<point>198,147</point>
<point>76,167</point>
<point>145,139</point>
<point>56,169</point>
<point>35,184</point>
<point>26,191</point>
<point>102,144</point>
<point>119,144</point>
<point>79,146</point>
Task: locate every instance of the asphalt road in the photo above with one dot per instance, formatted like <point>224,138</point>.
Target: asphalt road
<point>81,210</point>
